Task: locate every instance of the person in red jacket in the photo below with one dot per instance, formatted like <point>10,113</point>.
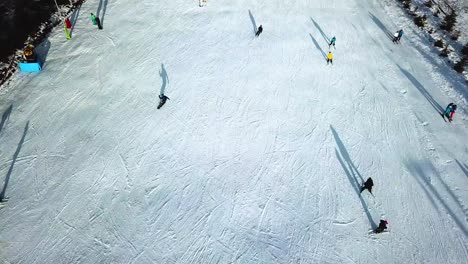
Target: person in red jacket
<point>382,226</point>
<point>68,23</point>
<point>452,113</point>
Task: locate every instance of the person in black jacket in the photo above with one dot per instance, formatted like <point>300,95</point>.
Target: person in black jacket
<point>382,226</point>
<point>368,185</point>
<point>259,31</point>
<point>162,100</point>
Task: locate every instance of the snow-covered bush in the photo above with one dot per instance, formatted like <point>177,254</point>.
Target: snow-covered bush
<point>420,21</point>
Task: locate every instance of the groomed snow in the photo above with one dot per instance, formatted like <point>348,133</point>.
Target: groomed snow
<point>258,154</point>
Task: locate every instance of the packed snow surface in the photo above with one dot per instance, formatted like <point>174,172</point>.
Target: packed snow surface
<point>258,155</point>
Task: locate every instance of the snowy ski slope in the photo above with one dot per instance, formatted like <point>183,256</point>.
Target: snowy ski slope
<point>259,153</point>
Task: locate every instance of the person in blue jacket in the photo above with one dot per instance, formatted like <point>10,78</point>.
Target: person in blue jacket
<point>332,42</point>
<point>400,34</point>
<point>397,36</point>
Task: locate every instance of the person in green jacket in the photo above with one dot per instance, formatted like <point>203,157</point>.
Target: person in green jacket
<point>67,33</point>
<point>93,19</point>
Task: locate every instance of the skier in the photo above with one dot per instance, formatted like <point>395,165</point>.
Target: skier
<point>93,19</point>
<point>454,108</point>
<point>162,100</point>
<point>368,185</point>
<point>397,36</point>
<point>67,33</point>
<point>450,111</point>
<point>259,31</point>
<point>400,34</point>
<point>382,226</point>
<point>332,42</point>
<point>68,23</point>
<point>330,58</point>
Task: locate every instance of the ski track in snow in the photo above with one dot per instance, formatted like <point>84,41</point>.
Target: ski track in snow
<point>258,155</point>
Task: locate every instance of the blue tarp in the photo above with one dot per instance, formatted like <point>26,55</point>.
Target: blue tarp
<point>30,66</point>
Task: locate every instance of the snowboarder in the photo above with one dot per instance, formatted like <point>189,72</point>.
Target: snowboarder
<point>162,100</point>
<point>332,42</point>
<point>450,111</point>
<point>93,19</point>
<point>329,58</point>
<point>382,226</point>
<point>259,31</point>
<point>368,185</point>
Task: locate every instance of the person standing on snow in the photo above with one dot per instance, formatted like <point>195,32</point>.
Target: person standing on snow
<point>368,185</point>
<point>67,33</point>
<point>162,100</point>
<point>259,31</point>
<point>329,58</point>
<point>93,19</point>
<point>450,111</point>
<point>397,36</point>
<point>400,34</point>
<point>332,42</point>
<point>382,226</point>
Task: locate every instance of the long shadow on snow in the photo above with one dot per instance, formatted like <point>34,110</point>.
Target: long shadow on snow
<point>456,80</point>
<point>42,51</point>
<point>74,17</point>
<point>463,167</point>
<point>381,26</point>
<point>415,169</point>
<point>351,173</point>
<point>327,39</point>
<point>15,156</point>
<point>422,90</point>
<point>103,6</point>
<point>252,19</point>
<point>5,117</point>
<point>318,47</point>
<point>164,78</point>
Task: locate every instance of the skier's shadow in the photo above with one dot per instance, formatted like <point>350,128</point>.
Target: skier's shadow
<point>103,6</point>
<point>5,117</point>
<point>327,39</point>
<point>15,156</point>
<point>381,26</point>
<point>318,47</point>
<point>252,19</point>
<point>422,90</point>
<point>165,79</point>
<point>463,167</point>
<point>74,18</point>
<point>352,173</point>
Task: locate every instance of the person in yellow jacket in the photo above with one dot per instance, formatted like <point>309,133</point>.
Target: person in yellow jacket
<point>330,57</point>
